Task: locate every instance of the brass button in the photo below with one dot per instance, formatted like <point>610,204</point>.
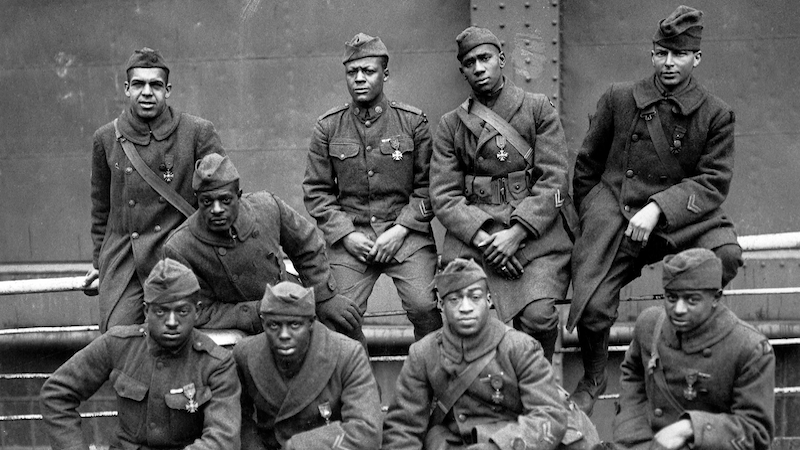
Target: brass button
<point>368,123</point>
<point>481,158</point>
<point>627,208</point>
<point>131,203</point>
<point>160,365</point>
<point>369,148</point>
<point>516,185</point>
<point>370,173</point>
<point>255,233</point>
<point>161,200</point>
<point>378,110</point>
<point>373,219</point>
<point>707,353</point>
<point>357,111</point>
<point>157,228</point>
<point>134,235</point>
<point>462,417</point>
<point>235,278</point>
<point>222,251</point>
<point>629,173</point>
<point>658,412</point>
<point>635,138</point>
<point>341,156</point>
<point>128,170</point>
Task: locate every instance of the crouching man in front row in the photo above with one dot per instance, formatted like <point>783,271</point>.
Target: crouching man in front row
<point>479,384</point>
<point>695,375</point>
<point>304,387</point>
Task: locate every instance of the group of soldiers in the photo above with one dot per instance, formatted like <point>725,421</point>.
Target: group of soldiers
<point>173,230</point>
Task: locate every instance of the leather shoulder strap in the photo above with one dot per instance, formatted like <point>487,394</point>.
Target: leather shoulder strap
<point>151,178</point>
<point>504,128</point>
<point>657,369</point>
<point>650,116</point>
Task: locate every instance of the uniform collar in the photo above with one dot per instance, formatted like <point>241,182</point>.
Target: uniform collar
<point>458,349</point>
<point>139,132</point>
<point>372,114</point>
<point>491,98</point>
<point>158,351</point>
<point>713,330</point>
<point>509,99</point>
<point>649,91</point>
<point>244,225</point>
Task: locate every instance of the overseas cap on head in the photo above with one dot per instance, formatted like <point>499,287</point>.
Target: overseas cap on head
<point>288,299</point>
<point>212,172</point>
<point>459,274</point>
<point>473,37</point>
<point>682,30</point>
<point>168,282</point>
<point>146,57</point>
<point>696,268</point>
<point>363,45</point>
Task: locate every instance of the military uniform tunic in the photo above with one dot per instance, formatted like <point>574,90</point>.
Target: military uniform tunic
<point>730,367</point>
<point>464,151</point>
<point>618,171</point>
<point>233,272</point>
<point>335,379</point>
<point>152,395</point>
<point>514,402</point>
<point>130,220</point>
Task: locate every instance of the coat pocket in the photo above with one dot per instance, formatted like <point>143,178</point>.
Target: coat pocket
<point>343,150</point>
<point>185,417</point>
<point>131,402</point>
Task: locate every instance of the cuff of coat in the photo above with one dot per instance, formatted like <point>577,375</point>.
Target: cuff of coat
<point>339,232</point>
<point>322,438</point>
<point>467,230</point>
<point>709,432</point>
<point>416,216</point>
<point>325,291</point>
<point>677,208</point>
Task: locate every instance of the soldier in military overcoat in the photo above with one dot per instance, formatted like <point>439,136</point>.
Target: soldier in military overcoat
<point>130,220</point>
<point>175,387</point>
<point>235,244</point>
<point>366,184</point>
<point>695,376</point>
<point>653,170</point>
<point>478,384</point>
<point>304,387</point>
<point>501,199</point>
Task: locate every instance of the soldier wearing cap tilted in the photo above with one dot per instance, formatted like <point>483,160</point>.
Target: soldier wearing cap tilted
<point>653,170</point>
<point>175,387</point>
<point>695,375</point>
<point>234,245</point>
<point>499,185</point>
<point>478,384</point>
<point>366,184</point>
<point>130,219</point>
<point>304,387</point>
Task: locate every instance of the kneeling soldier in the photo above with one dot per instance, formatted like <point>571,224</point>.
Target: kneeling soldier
<point>479,384</point>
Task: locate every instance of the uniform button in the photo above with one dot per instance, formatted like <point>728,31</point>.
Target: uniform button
<point>222,251</point>
<point>369,148</point>
<point>707,352</point>
<point>255,233</point>
<point>462,417</point>
<point>481,158</point>
<point>368,123</point>
<point>516,185</point>
<point>134,235</point>
<point>157,228</point>
<point>159,365</point>
<point>245,309</point>
<point>708,426</point>
<point>635,138</point>
<point>161,200</point>
<point>378,110</point>
<point>341,156</point>
<point>658,412</point>
<point>370,173</point>
<point>131,203</point>
<point>627,208</point>
<point>128,170</point>
<point>394,102</point>
<point>629,173</point>
<point>235,278</point>
<point>357,111</point>
<point>482,191</point>
<point>675,110</point>
<point>373,219</point>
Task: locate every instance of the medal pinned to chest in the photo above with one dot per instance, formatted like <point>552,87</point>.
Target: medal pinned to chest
<point>690,393</point>
<point>496,382</point>
<point>397,155</point>
<point>325,411</point>
<point>500,140</point>
<point>189,391</point>
<point>166,167</point>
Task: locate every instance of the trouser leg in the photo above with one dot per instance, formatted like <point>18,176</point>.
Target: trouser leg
<point>356,285</point>
<point>128,309</point>
<point>731,256</point>
<point>412,278</point>
<point>539,319</point>
<point>594,354</point>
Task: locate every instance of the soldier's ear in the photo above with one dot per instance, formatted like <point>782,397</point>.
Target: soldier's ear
<point>489,299</point>
<point>698,55</point>
<point>502,57</point>
<point>385,74</point>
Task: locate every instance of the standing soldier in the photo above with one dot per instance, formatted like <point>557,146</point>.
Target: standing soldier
<point>654,168</point>
<point>142,166</point>
<point>499,184</point>
<point>695,375</point>
<point>175,387</point>
<point>366,184</point>
<point>234,245</point>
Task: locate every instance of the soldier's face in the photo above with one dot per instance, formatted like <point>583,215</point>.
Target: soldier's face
<point>365,78</point>
<point>170,325</point>
<point>673,67</point>
<point>483,68</point>
<point>467,310</point>
<point>687,309</point>
<point>288,337</point>
<point>219,208</point>
<point>147,91</point>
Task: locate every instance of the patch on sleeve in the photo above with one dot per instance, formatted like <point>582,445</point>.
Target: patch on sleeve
<point>559,200</point>
<point>425,208</point>
<point>547,434</point>
<point>739,443</point>
<point>337,443</point>
<point>692,205</point>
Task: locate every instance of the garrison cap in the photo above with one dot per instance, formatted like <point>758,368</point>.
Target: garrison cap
<point>168,282</point>
<point>696,268</point>
<point>459,274</point>
<point>146,57</point>
<point>363,45</point>
<point>682,30</point>
<point>212,172</point>
<point>473,37</point>
<point>289,299</point>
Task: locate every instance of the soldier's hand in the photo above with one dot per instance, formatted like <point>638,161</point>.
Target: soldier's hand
<point>339,313</point>
<point>358,245</point>
<point>674,436</point>
<point>503,245</point>
<point>643,222</point>
<point>91,276</point>
<point>388,243</point>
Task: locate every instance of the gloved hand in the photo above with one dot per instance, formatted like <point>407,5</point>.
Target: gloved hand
<point>339,313</point>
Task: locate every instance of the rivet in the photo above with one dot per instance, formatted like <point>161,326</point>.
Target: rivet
<point>763,264</point>
<point>781,264</point>
<point>555,22</point>
<point>554,96</point>
<point>555,60</point>
<point>527,42</point>
<point>502,25</point>
<point>555,78</point>
<point>527,4</point>
<point>474,7</point>
<point>527,78</point>
<point>555,41</point>
<point>502,5</point>
<point>527,25</point>
<point>502,43</point>
<point>554,3</point>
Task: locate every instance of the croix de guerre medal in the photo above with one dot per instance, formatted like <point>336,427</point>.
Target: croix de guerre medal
<point>397,155</point>
<point>690,393</point>
<point>325,412</point>
<point>496,381</point>
<point>189,391</point>
<point>169,162</point>
<point>500,140</point>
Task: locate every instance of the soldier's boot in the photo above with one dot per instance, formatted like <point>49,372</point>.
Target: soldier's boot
<point>425,322</point>
<point>594,353</point>
<point>546,333</point>
<point>548,340</point>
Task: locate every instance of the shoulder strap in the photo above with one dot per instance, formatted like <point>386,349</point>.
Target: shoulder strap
<point>151,178</point>
<point>504,128</point>
<point>333,110</point>
<point>650,116</point>
<point>657,369</point>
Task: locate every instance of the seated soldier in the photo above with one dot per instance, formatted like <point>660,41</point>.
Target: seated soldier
<point>175,387</point>
<point>695,375</point>
<point>304,387</point>
<point>489,385</point>
<point>234,245</point>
